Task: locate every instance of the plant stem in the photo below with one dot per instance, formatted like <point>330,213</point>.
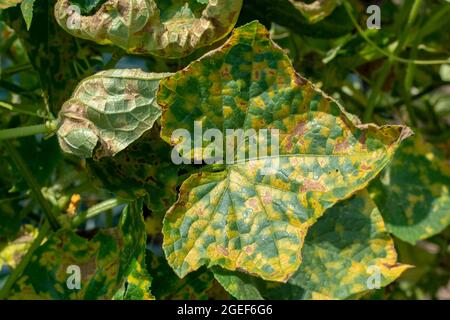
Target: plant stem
<point>32,183</point>
<point>13,108</point>
<point>96,210</point>
<point>385,52</point>
<point>20,132</point>
<point>17,272</point>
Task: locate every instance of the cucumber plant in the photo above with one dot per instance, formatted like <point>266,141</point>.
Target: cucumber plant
<point>213,149</point>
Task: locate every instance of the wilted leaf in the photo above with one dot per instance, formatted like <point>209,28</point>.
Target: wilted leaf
<point>108,111</point>
<point>316,10</point>
<point>171,29</point>
<point>240,218</point>
<point>108,261</point>
<point>343,254</point>
<point>413,192</point>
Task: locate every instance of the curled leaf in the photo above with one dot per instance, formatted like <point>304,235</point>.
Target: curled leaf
<point>347,252</point>
<point>241,217</point>
<point>171,29</point>
<point>316,10</point>
<point>108,111</point>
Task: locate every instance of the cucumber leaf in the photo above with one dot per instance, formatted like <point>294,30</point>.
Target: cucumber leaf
<point>241,217</point>
<point>343,254</point>
<point>171,29</point>
<point>413,191</point>
<point>108,111</point>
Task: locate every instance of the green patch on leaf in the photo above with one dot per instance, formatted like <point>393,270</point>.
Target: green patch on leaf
<point>108,111</point>
<point>241,217</point>
<point>413,191</point>
<point>347,252</point>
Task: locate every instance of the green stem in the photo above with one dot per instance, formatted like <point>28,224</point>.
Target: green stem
<point>16,69</point>
<point>17,272</point>
<point>32,183</point>
<point>96,210</point>
<point>414,13</point>
<point>13,108</point>
<point>20,132</point>
<point>385,52</point>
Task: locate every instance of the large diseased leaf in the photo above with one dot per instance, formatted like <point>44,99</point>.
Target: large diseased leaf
<point>169,28</point>
<point>242,218</point>
<point>112,261</point>
<point>108,111</point>
<point>413,191</point>
<point>343,254</point>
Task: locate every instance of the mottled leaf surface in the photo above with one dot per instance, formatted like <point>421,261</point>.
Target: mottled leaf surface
<point>111,260</point>
<point>108,111</point>
<point>413,191</point>
<point>239,218</point>
<point>171,29</point>
<point>342,251</point>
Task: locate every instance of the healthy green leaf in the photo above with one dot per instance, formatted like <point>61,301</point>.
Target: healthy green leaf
<point>240,218</point>
<point>343,254</point>
<point>25,5</point>
<point>171,29</point>
<point>108,111</point>
<point>413,192</point>
<point>108,261</point>
<point>27,11</point>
